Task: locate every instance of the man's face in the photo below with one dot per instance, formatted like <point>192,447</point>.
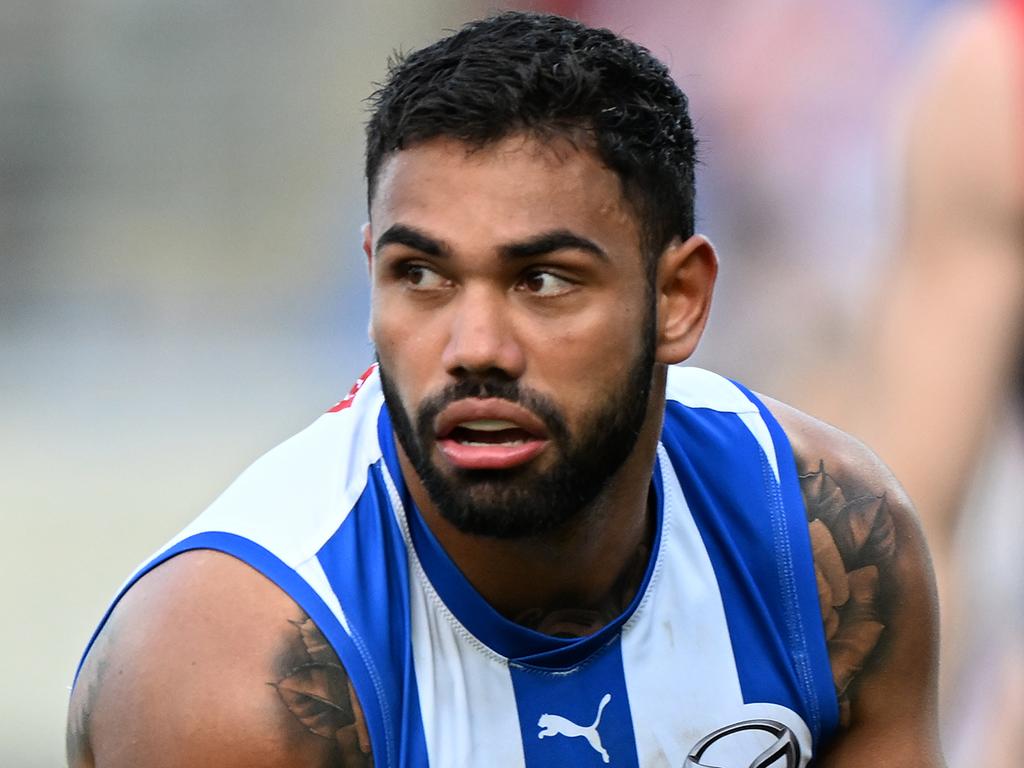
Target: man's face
<point>514,327</point>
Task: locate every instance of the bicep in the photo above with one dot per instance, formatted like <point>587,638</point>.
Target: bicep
<point>877,596</point>
<point>892,693</point>
<point>204,662</point>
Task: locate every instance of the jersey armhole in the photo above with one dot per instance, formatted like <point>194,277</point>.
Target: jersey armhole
<point>805,628</point>
<point>357,666</point>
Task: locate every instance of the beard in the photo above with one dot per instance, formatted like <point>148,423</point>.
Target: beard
<point>525,501</point>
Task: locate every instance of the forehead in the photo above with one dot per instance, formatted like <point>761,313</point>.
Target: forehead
<point>504,191</point>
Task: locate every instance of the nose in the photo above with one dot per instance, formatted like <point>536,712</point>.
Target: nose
<point>482,336</point>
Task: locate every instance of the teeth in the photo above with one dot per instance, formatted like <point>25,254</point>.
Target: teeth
<point>474,443</point>
<point>488,425</point>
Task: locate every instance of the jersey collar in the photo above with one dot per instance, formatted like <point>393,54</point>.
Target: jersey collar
<point>519,644</point>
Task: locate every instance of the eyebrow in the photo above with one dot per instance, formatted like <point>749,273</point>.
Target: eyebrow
<point>400,234</point>
<point>546,242</point>
<point>549,242</point>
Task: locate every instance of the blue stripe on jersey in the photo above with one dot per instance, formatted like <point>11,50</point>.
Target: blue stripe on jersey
<point>578,717</point>
<point>366,565</point>
<point>514,641</point>
<point>807,633</point>
<point>308,600</point>
<point>729,485</point>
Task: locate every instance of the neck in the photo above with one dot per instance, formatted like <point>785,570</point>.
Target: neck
<point>578,578</point>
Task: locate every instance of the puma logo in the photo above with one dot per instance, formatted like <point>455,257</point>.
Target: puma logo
<point>556,725</point>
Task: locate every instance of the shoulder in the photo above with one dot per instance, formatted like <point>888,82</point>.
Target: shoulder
<point>876,590</point>
<point>206,662</point>
<point>975,38</point>
<point>298,493</point>
<point>816,443</point>
<point>964,112</point>
<point>973,52</point>
<point>851,497</point>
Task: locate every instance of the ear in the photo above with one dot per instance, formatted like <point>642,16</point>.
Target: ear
<point>685,282</point>
<point>367,232</point>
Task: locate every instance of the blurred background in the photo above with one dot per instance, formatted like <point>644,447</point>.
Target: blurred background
<point>181,282</point>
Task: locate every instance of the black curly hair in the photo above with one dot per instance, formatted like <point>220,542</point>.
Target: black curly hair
<point>548,75</point>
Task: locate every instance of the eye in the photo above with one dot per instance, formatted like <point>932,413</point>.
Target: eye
<point>541,283</point>
<point>421,278</point>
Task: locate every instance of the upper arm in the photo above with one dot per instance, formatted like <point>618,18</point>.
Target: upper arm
<point>205,662</point>
<point>948,329</point>
<point>877,598</point>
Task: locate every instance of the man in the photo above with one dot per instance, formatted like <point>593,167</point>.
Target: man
<point>941,395</point>
<point>523,539</point>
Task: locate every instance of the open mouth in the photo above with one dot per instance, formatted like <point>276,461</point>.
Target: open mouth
<point>489,434</point>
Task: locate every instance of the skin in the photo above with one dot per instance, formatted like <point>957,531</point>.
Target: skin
<point>884,645</point>
<point>568,340</point>
<point>449,305</point>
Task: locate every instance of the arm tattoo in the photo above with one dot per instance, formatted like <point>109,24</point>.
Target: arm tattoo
<point>318,692</point>
<point>854,544</point>
<point>83,702</point>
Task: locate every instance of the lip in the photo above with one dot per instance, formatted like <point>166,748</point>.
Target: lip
<point>490,455</point>
<point>472,409</point>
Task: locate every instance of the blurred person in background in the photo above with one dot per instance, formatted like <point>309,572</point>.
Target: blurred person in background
<point>473,555</point>
<point>939,387</point>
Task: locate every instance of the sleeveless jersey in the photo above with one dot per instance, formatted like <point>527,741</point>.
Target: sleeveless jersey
<point>720,660</point>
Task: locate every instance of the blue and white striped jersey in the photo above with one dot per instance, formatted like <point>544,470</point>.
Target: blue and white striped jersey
<point>719,659</point>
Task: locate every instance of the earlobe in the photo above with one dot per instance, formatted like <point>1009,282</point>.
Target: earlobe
<point>685,283</point>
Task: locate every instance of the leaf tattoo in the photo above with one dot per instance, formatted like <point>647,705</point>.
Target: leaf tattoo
<point>319,694</point>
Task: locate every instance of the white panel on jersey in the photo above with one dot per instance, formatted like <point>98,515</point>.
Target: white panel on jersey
<point>697,388</point>
<point>293,498</point>
<point>676,647</point>
<point>313,573</point>
<point>755,423</point>
<point>457,678</point>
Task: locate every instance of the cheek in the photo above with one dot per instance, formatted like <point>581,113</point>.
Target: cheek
<point>605,336</point>
<point>406,349</point>
<point>390,325</point>
<point>592,355</point>
<point>385,330</point>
